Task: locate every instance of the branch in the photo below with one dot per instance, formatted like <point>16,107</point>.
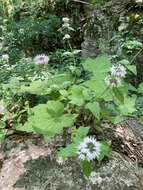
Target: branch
<point>79,1</point>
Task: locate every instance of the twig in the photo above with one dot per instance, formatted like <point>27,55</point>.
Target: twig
<point>136,55</point>
<point>79,1</point>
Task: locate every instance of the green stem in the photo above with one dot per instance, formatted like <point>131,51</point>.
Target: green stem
<point>72,52</point>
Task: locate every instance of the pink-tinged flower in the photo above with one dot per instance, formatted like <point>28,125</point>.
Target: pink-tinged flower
<point>41,59</point>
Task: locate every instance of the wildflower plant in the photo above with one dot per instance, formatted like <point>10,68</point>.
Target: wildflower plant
<point>103,96</point>
<point>66,31</point>
<point>68,102</point>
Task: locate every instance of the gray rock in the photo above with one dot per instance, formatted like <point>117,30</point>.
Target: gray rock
<point>46,174</point>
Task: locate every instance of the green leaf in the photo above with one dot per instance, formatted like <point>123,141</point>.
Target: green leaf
<point>118,94</point>
<point>76,96</point>
<point>81,133</point>
<point>105,151</point>
<point>94,108</point>
<point>124,62</point>
<point>98,66</point>
<point>117,119</point>
<point>132,68</point>
<point>86,166</point>
<point>99,69</point>
<point>55,108</point>
<point>47,124</point>
<point>2,135</point>
<point>128,107</point>
<point>69,151</point>
<point>140,89</point>
<point>40,87</point>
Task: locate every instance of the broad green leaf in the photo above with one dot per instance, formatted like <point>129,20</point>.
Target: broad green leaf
<point>94,108</point>
<point>44,123</point>
<point>140,89</point>
<point>55,108</point>
<point>105,151</point>
<point>124,62</point>
<point>117,119</point>
<point>76,96</point>
<point>35,87</point>
<point>132,68</point>
<point>98,66</point>
<point>69,151</point>
<point>128,107</point>
<point>86,167</point>
<point>81,133</point>
<point>96,85</point>
<point>118,94</point>
<point>40,87</point>
<point>99,69</point>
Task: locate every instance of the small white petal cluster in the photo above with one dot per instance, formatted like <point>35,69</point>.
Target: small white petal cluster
<point>60,161</point>
<point>5,57</point>
<point>2,110</point>
<point>114,79</point>
<point>66,24</point>
<point>41,59</point>
<point>139,1</point>
<point>89,149</point>
<point>66,37</point>
<point>118,71</point>
<point>65,20</point>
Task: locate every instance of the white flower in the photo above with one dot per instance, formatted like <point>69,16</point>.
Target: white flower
<point>89,149</point>
<point>65,19</point>
<point>41,59</point>
<point>139,1</point>
<point>66,25</point>
<point>118,71</point>
<point>2,109</point>
<point>112,81</point>
<point>5,57</point>
<point>66,37</point>
<point>60,161</point>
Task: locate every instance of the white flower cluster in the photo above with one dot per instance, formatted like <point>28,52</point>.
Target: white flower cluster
<point>139,1</point>
<point>41,59</point>
<point>89,149</point>
<point>2,109</point>
<point>60,160</point>
<point>66,24</point>
<point>117,73</point>
<point>5,57</point>
<point>66,37</point>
